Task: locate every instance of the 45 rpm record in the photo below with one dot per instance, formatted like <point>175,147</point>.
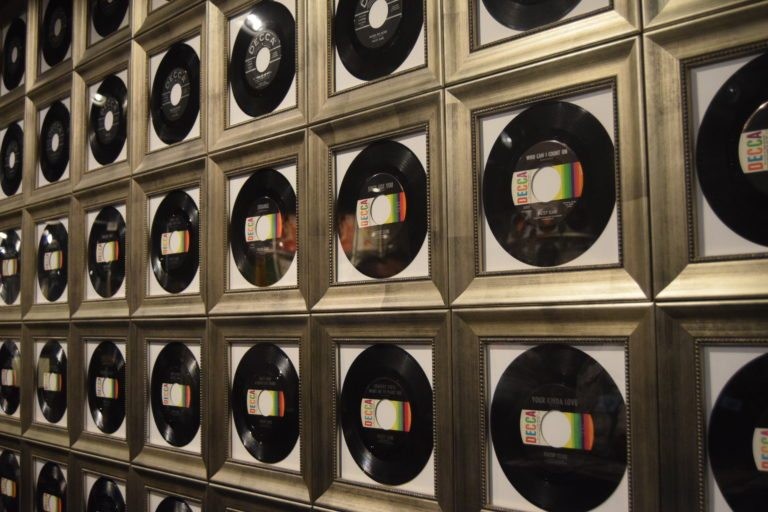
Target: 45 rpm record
<point>10,270</point>
<point>263,61</point>
<point>265,403</point>
<point>381,209</point>
<point>175,394</point>
<point>108,121</point>
<point>549,186</point>
<point>10,367</point>
<point>386,414</point>
<point>56,31</point>
<point>262,230</point>
<point>172,504</point>
<point>374,38</point>
<point>108,15</point>
<point>558,425</point>
<point>529,14</point>
<point>13,53</point>
<point>52,381</point>
<point>106,252</point>
<point>175,244</point>
<point>732,152</point>
<point>106,387</point>
<point>51,491</point>
<point>54,142</point>
<point>738,433</point>
<point>175,99</point>
<point>12,159</point>
<point>105,496</point>
<point>10,481</point>
<point>52,257</point>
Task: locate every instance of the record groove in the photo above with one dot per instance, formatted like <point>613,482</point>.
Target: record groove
<point>10,377</point>
<point>14,54</point>
<point>106,252</point>
<point>51,381</point>
<point>10,266</point>
<point>175,98</point>
<point>105,496</point>
<point>12,159</point>
<point>175,242</point>
<point>106,387</point>
<point>54,142</point>
<point>529,14</point>
<point>52,260</point>
<point>108,120</point>
<point>175,394</point>
<point>56,31</point>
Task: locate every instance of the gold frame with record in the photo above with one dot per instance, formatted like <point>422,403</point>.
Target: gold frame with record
<point>9,12</point>
<point>142,482</point>
<point>13,312</point>
<point>42,453</point>
<point>81,465</point>
<point>35,78</point>
<point>84,49</point>
<point>12,425</point>
<point>16,112</point>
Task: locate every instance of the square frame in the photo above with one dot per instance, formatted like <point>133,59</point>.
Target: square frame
<point>22,455</point>
<point>10,426</point>
<point>14,220</point>
<point>48,454</point>
<point>143,481</point>
<point>81,464</point>
<point>83,51</point>
<point>657,13</point>
<point>13,112</point>
<point>34,78</point>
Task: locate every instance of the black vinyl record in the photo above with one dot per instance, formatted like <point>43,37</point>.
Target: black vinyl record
<point>171,504</point>
<point>175,244</point>
<point>106,252</point>
<point>374,38</point>
<point>738,434</point>
<point>571,474</point>
<point>12,159</point>
<point>263,228</point>
<point>265,403</point>
<point>529,14</point>
<point>175,99</point>
<point>105,496</point>
<point>175,394</point>
<point>564,145</point>
<point>386,414</point>
<point>10,481</point>
<point>108,15</point>
<point>263,61</point>
<point>732,152</point>
<point>10,266</point>
<point>10,366</point>
<point>54,142</point>
<point>52,257</point>
<point>51,490</point>
<point>106,387</point>
<point>381,209</point>
<point>108,120</point>
<point>14,48</point>
<point>56,31</point>
<point>52,381</point>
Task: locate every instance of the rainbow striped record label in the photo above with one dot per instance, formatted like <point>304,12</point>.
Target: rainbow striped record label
<point>51,503</point>
<point>261,228</point>
<point>174,242</point>
<point>380,210</point>
<point>575,431</point>
<point>106,387</point>
<point>176,395</point>
<point>51,381</point>
<point>107,252</point>
<point>265,402</point>
<point>385,414</point>
<point>8,487</point>
<point>760,449</point>
<point>10,267</point>
<point>9,377</point>
<point>53,260</point>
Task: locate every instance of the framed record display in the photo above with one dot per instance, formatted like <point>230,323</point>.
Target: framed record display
<point>265,69</point>
<point>385,438</point>
<point>48,484</point>
<point>394,172</point>
<point>100,25</point>
<point>10,265</point>
<point>52,267</point>
<point>224,499</point>
<point>12,160</point>
<point>703,236</point>
<point>169,383</point>
<point>258,249</point>
<point>14,54</point>
<point>13,475</point>
<point>95,485</point>
<point>149,14</point>
<point>659,12</point>
<point>260,403</point>
<point>567,394</point>
<point>54,33</point>
<point>159,492</point>
<point>11,372</point>
<point>534,214</point>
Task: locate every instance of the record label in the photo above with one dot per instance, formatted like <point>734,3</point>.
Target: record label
<point>175,97</point>
<point>10,479</point>
<point>175,242</point>
<point>8,487</point>
<point>529,14</point>
<point>13,54</point>
<point>753,149</point>
<point>10,255</point>
<point>377,21</point>
<point>10,365</point>
<point>12,159</point>
<point>175,394</point>
<point>760,448</point>
<point>105,496</point>
<point>264,54</point>
<point>107,387</point>
<point>52,381</point>
<point>56,31</point>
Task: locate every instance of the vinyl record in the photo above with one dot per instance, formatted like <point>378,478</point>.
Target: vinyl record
<point>175,244</point>
<point>51,490</point>
<point>374,38</point>
<point>10,269</point>
<point>12,159</point>
<point>108,15</point>
<point>54,142</point>
<point>549,186</point>
<point>106,252</point>
<point>175,99</point>
<point>265,403</point>
<point>529,14</point>
<point>106,387</point>
<point>10,481</point>
<point>386,414</point>
<point>10,370</point>
<point>381,209</point>
<point>109,120</point>
<point>14,48</point>
<point>263,61</point>
<point>52,257</point>
<point>738,433</point>
<point>558,425</point>
<point>176,394</point>
<point>732,152</point>
<point>105,496</point>
<point>262,230</point>
<point>56,31</point>
<point>171,504</point>
<point>52,381</point>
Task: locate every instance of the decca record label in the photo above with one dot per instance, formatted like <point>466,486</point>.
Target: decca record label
<point>53,260</point>
<point>376,21</point>
<point>8,487</point>
<point>396,415</point>
<point>581,430</point>
<point>106,387</point>
<point>262,228</point>
<point>753,151</point>
<point>176,395</point>
<point>9,377</point>
<point>174,242</point>
<point>175,95</point>
<point>51,503</point>
<point>760,449</point>
<point>265,402</point>
<point>107,252</point>
<point>259,74</point>
<point>10,267</point>
<point>380,210</point>
<point>51,381</point>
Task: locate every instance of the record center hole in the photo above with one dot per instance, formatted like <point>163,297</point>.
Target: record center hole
<point>14,54</point>
<point>262,60</point>
<point>265,402</point>
<point>109,118</point>
<point>55,142</point>
<point>380,210</point>
<point>57,27</point>
<point>385,414</point>
<point>378,13</point>
<point>12,159</point>
<point>263,228</point>
<point>175,94</point>
<point>556,429</point>
<point>546,184</point>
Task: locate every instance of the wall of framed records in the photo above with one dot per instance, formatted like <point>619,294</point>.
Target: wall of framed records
<point>369,255</point>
